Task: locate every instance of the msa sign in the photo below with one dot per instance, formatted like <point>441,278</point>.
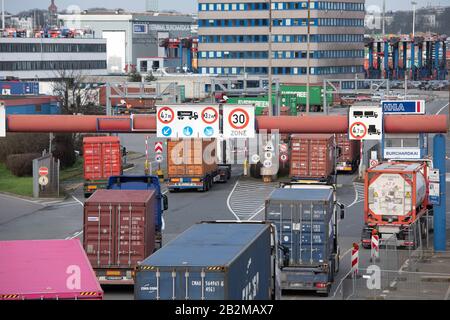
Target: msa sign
<point>187,121</point>
<point>365,123</point>
<point>238,121</point>
<point>2,120</point>
<point>403,107</point>
<point>140,28</point>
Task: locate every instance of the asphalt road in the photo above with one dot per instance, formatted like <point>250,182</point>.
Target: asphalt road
<point>24,219</point>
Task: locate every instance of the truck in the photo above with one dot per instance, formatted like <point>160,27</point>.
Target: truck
<point>46,270</point>
<point>349,153</point>
<point>306,220</point>
<point>102,159</point>
<point>119,232</point>
<point>212,261</point>
<point>396,204</point>
<point>144,183</point>
<point>313,157</point>
<point>192,164</point>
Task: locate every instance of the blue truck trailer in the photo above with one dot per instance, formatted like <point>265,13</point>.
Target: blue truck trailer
<point>306,220</point>
<point>144,183</point>
<point>212,261</point>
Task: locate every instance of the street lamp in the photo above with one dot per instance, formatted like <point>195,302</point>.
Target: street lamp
<point>414,17</point>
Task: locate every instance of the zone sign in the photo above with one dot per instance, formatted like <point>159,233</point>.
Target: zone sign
<point>238,121</point>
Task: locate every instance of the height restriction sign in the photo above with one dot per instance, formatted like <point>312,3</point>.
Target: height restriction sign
<point>238,121</point>
<point>365,123</point>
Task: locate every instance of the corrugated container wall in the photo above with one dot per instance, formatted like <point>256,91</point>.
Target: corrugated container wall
<point>349,148</point>
<point>119,228</point>
<point>102,157</point>
<point>312,156</point>
<point>210,261</point>
<point>191,157</point>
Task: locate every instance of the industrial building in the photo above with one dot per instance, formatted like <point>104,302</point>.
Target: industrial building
<point>51,58</point>
<point>234,39</point>
<point>35,104</point>
<point>136,37</point>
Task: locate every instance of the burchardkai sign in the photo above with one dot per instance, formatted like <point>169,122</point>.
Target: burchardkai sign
<point>402,153</point>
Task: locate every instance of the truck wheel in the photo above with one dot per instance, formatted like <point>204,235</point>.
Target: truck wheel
<point>87,195</point>
<point>325,294</point>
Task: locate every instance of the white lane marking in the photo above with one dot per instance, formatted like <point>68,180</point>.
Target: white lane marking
<point>261,209</point>
<point>447,295</point>
<point>357,200</point>
<point>442,108</point>
<point>346,252</point>
<point>76,199</point>
<point>75,235</point>
<point>229,203</point>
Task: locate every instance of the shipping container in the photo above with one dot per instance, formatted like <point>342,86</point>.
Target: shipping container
<point>211,261</point>
<point>395,199</point>
<point>312,157</point>
<point>18,88</point>
<point>349,151</point>
<point>305,217</point>
<point>192,164</point>
<point>102,159</point>
<point>119,232</point>
<point>42,270</point>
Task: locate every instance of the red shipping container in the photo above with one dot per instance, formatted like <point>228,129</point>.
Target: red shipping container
<point>119,232</point>
<point>350,152</point>
<point>102,158</point>
<point>312,156</point>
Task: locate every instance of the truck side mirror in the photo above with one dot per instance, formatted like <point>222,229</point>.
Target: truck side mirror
<point>342,207</point>
<point>165,203</point>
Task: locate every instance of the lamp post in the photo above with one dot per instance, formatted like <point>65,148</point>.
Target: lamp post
<point>270,60</point>
<point>414,17</point>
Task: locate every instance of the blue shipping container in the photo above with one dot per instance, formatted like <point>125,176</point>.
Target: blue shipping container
<point>210,261</point>
<point>19,88</point>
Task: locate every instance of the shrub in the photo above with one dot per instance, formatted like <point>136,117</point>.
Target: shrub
<point>20,143</point>
<point>64,150</point>
<point>21,165</point>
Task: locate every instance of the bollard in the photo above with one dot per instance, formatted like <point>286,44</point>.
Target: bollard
<point>375,247</point>
<point>355,260</point>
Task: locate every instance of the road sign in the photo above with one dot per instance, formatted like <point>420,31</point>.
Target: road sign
<point>284,158</point>
<point>43,171</point>
<point>373,163</point>
<point>403,107</point>
<point>365,123</point>
<point>159,147</point>
<point>267,163</point>
<point>43,180</point>
<point>188,121</point>
<point>283,148</point>
<point>268,155</point>
<point>434,193</point>
<point>159,158</point>
<point>269,147</point>
<point>256,158</point>
<point>2,120</point>
<point>239,121</point>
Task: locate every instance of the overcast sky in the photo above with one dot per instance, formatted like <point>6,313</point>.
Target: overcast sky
<point>15,6</point>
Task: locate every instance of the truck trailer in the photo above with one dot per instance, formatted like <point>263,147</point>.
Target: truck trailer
<point>144,183</point>
<point>396,203</point>
<point>102,159</point>
<point>212,261</point>
<point>306,219</point>
<point>46,270</point>
<point>349,153</point>
<point>119,232</point>
<point>192,164</point>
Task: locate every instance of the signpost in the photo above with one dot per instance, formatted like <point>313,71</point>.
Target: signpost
<point>403,107</point>
<point>434,187</point>
<point>238,122</point>
<point>43,171</point>
<point>187,121</point>
<point>2,120</point>
<point>365,123</point>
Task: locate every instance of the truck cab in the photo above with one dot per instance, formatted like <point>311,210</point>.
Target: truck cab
<point>144,183</point>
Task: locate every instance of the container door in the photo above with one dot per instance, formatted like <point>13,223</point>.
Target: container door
<point>99,235</point>
<point>130,236</point>
<point>111,159</point>
<point>92,161</point>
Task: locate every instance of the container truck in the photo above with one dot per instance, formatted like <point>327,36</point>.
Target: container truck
<point>212,261</point>
<point>306,219</point>
<point>144,183</point>
<point>102,159</point>
<point>312,157</point>
<point>119,232</point>
<point>192,164</point>
<point>396,203</point>
<point>349,153</point>
<point>46,270</point>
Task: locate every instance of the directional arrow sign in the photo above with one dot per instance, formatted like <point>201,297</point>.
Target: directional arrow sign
<point>159,147</point>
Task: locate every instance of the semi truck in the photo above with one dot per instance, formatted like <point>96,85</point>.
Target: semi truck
<point>192,164</point>
<point>212,261</point>
<point>396,204</point>
<point>102,159</point>
<point>46,270</point>
<point>306,220</point>
<point>349,153</point>
<point>119,232</point>
<point>144,183</point>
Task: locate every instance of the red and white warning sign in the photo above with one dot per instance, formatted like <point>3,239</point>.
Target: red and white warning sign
<point>166,115</point>
<point>43,171</point>
<point>365,123</point>
<point>373,163</point>
<point>159,147</point>
<point>238,121</point>
<point>210,115</point>
<point>284,157</point>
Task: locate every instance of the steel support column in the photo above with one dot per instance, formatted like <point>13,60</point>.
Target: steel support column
<point>440,239</point>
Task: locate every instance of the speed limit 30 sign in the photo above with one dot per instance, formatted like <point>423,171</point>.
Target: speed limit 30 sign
<point>238,121</point>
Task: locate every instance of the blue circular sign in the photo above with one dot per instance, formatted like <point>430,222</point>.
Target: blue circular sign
<point>188,131</point>
<point>167,131</point>
<point>209,131</point>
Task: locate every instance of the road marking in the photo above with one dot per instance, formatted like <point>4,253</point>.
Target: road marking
<point>75,235</point>
<point>359,193</point>
<point>229,198</point>
<point>447,295</point>
<point>442,108</point>
<point>347,252</point>
<point>21,199</point>
<point>76,199</point>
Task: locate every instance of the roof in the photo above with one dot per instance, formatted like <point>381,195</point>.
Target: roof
<point>206,244</point>
<point>305,194</point>
<point>23,100</point>
<point>397,167</point>
<point>101,139</point>
<point>40,268</point>
<point>121,196</point>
